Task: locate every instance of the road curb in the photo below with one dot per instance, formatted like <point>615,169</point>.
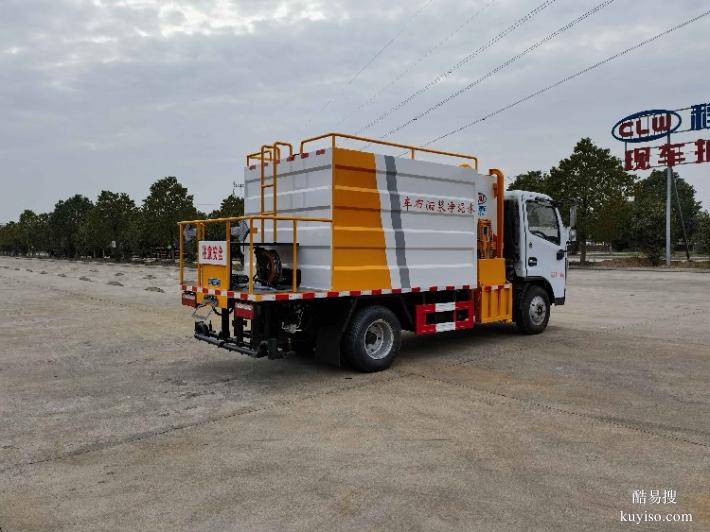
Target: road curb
<point>639,269</point>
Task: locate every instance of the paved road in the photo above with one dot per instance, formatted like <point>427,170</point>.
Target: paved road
<point>114,418</point>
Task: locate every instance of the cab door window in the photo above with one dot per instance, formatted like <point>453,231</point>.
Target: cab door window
<point>542,221</point>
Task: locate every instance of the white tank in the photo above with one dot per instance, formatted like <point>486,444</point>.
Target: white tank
<point>398,223</point>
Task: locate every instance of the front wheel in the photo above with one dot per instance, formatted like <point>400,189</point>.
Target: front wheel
<point>372,340</point>
<point>534,311</point>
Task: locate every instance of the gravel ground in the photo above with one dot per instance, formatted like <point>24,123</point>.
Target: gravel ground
<point>113,417</point>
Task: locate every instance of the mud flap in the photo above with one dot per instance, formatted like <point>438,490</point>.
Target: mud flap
<point>328,345</point>
<point>329,336</point>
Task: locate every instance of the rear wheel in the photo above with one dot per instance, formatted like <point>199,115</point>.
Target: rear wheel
<point>534,310</point>
<point>372,340</point>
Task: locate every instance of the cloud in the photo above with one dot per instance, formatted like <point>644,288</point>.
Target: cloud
<point>114,94</point>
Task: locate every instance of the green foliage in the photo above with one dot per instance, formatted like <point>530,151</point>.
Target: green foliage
<point>595,182</point>
<point>533,181</point>
<point>648,221</point>
<point>647,225</point>
<point>702,235</point>
<point>79,227</point>
<point>654,186</point>
<point>10,238</point>
<point>167,203</point>
<point>231,206</point>
<point>65,222</point>
<point>109,222</point>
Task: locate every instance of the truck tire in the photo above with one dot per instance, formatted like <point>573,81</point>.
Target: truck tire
<point>533,312</point>
<point>371,341</point>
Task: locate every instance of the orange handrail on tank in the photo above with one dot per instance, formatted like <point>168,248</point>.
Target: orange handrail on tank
<point>412,149</point>
<point>499,189</point>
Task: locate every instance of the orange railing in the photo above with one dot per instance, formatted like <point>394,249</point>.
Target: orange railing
<point>411,149</point>
<point>200,233</point>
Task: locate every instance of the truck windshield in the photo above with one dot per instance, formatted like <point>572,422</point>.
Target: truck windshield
<point>542,221</point>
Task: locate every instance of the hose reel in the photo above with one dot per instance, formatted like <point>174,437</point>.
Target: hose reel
<point>270,270</point>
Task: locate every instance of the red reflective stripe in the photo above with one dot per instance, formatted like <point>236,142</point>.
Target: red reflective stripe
<point>291,158</point>
<point>308,295</point>
<point>304,156</point>
<point>396,290</point>
<point>320,152</point>
<point>333,294</point>
<point>281,297</point>
<point>421,326</point>
<point>230,294</point>
<point>355,292</point>
<point>252,167</point>
<point>416,289</point>
<point>376,292</point>
<point>243,297</point>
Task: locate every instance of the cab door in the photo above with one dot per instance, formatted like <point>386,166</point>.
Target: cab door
<point>546,244</point>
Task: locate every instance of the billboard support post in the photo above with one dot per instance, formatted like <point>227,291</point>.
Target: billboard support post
<point>669,177</point>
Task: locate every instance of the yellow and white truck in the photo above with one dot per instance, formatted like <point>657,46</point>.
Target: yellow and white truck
<point>340,250</point>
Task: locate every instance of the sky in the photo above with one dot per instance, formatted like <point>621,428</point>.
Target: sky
<point>112,95</point>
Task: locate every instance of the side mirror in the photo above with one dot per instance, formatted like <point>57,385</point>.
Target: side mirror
<point>572,218</point>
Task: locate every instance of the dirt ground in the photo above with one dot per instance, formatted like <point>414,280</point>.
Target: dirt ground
<point>114,418</point>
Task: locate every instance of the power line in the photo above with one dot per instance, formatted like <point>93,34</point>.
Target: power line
<point>461,63</point>
<point>416,62</point>
<point>500,67</point>
<point>372,59</point>
<point>569,78</point>
<point>388,43</point>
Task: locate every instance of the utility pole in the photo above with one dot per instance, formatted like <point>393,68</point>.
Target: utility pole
<point>669,178</point>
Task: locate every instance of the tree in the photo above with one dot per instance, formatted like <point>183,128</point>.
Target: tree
<point>167,203</point>
<point>27,225</point>
<point>31,232</point>
<point>64,223</point>
<point>9,238</point>
<point>41,237</point>
<point>647,225</point>
<point>648,221</point>
<point>231,206</point>
<point>702,235</point>
<point>534,181</point>
<point>655,186</point>
<point>108,222</point>
<point>595,181</point>
<point>134,235</point>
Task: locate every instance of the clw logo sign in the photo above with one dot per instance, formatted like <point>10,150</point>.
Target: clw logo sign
<point>646,125</point>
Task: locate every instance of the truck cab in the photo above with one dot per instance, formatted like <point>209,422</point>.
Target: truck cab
<point>535,252</point>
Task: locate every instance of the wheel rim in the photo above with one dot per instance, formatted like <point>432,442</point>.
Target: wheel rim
<point>537,310</point>
<point>379,339</point>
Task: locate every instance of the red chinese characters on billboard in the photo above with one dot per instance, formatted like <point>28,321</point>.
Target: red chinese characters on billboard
<point>669,154</point>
